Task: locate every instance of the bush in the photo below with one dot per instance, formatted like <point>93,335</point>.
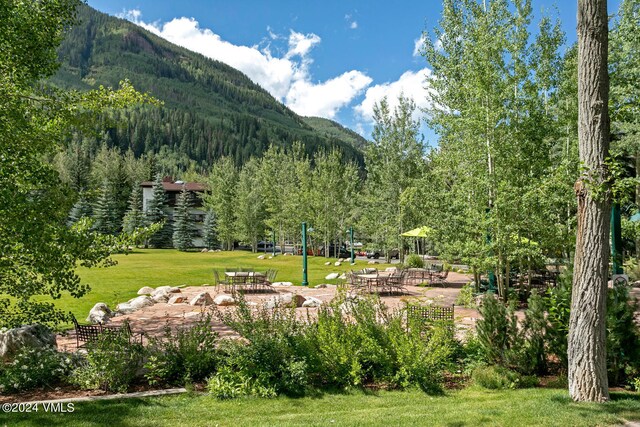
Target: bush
<point>466,296</point>
<point>498,377</point>
<point>414,261</point>
<point>182,356</point>
<point>33,368</point>
<point>112,363</point>
<point>229,384</point>
<point>498,332</point>
<point>623,336</point>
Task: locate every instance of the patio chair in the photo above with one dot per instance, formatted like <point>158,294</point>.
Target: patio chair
<point>218,281</point>
<point>89,333</point>
<point>440,278</point>
<point>396,282</point>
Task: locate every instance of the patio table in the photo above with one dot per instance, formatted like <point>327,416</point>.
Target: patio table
<point>375,282</point>
<point>243,279</point>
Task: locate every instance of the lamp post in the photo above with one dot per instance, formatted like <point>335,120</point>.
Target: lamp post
<point>353,257</point>
<point>305,282</point>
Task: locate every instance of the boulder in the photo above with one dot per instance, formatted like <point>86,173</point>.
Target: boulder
<point>391,269</point>
<point>203,298</point>
<point>177,299</point>
<point>204,251</point>
<point>332,276</point>
<point>224,300</point>
<point>337,263</point>
<point>281,284</point>
<point>312,302</point>
<point>343,276</point>
<point>279,301</point>
<point>320,286</point>
<point>210,250</point>
<point>299,300</point>
<point>260,256</point>
<point>327,263</point>
<point>163,293</point>
<point>31,336</point>
<point>100,313</point>
<point>134,304</point>
<point>145,290</point>
<point>340,259</point>
<point>372,262</point>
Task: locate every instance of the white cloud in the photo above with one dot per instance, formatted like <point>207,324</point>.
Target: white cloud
<point>354,25</point>
<point>411,84</point>
<point>286,77</point>
<point>325,99</point>
<point>418,45</point>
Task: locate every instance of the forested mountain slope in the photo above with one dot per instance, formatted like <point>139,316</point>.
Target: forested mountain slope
<point>210,109</point>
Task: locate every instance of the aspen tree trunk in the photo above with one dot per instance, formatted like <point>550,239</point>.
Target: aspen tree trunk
<point>587,345</point>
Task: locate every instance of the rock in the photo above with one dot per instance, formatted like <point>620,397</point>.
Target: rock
<point>332,276</point>
<point>100,313</point>
<point>177,299</point>
<point>270,256</point>
<point>327,263</point>
<point>337,263</point>
<point>163,293</point>
<point>340,259</point>
<point>281,284</point>
<point>224,300</point>
<point>204,251</point>
<point>391,269</point>
<point>636,284</point>
<point>260,256</point>
<point>134,304</point>
<point>210,250</point>
<point>372,262</point>
<point>203,298</point>
<point>145,291</point>
<point>32,336</point>
<point>320,286</point>
<point>312,302</point>
<point>299,300</point>
<point>369,270</point>
<point>279,301</point>
<point>343,276</point>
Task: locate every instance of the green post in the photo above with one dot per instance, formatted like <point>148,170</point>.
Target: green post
<point>305,282</point>
<point>616,239</point>
<point>353,255</point>
<point>273,249</point>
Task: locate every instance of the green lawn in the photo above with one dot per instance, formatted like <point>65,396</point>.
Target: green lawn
<point>469,407</point>
<point>158,267</point>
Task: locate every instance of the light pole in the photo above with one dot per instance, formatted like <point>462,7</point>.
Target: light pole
<point>353,256</point>
<point>305,282</point>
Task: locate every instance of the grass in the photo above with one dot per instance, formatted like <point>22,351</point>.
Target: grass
<point>468,407</point>
<point>158,267</point>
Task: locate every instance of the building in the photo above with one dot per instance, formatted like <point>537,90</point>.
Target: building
<point>172,189</point>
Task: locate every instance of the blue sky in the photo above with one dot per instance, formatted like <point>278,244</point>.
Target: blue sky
<point>333,59</point>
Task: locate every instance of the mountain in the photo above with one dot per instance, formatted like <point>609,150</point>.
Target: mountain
<point>210,109</point>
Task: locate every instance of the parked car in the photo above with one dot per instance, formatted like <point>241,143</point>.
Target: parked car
<point>375,254</point>
<point>336,251</point>
<point>264,246</point>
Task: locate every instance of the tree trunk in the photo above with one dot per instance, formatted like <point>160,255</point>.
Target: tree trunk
<point>586,342</point>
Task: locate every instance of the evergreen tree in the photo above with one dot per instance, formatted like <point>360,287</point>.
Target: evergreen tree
<point>156,213</point>
<point>134,218</point>
<point>81,209</point>
<point>105,213</point>
<point>210,238</point>
<point>183,227</point>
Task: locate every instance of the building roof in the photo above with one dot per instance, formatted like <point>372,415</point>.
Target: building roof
<point>177,186</point>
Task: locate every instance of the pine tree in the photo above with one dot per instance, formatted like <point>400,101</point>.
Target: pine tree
<point>183,227</point>
<point>210,238</point>
<point>134,218</point>
<point>105,213</point>
<point>156,213</point>
<point>81,209</point>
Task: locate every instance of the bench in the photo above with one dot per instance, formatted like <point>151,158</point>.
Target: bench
<point>90,333</point>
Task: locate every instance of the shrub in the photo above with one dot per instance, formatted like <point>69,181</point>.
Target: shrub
<point>533,356</point>
<point>33,368</point>
<point>229,384</point>
<point>414,261</point>
<point>466,296</point>
<point>182,356</point>
<point>498,332</point>
<point>498,377</point>
<point>112,363</point>
<point>623,336</point>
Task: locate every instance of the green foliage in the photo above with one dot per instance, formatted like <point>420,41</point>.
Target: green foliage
<point>209,230</point>
<point>414,261</point>
<point>498,331</point>
<point>222,199</point>
<point>498,378</point>
<point>105,211</point>
<point>466,297</point>
<point>230,384</point>
<point>182,356</point>
<point>623,336</point>
<point>559,309</point>
<point>112,363</point>
<point>134,218</point>
<point>156,214</point>
<point>183,227</point>
<point>33,368</point>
